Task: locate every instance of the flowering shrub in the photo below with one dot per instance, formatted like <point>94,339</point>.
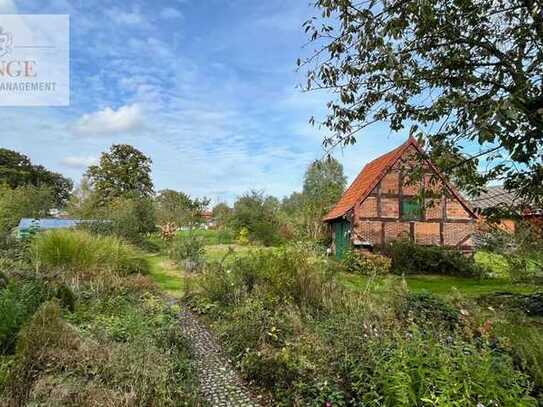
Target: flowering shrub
<point>366,263</point>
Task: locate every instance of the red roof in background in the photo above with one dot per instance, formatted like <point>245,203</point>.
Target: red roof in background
<point>370,176</point>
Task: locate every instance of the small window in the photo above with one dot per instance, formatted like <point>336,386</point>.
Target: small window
<point>411,209</point>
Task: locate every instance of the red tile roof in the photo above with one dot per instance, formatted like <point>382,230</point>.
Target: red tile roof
<point>370,176</point>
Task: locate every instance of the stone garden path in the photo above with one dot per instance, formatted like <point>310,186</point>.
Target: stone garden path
<point>220,384</point>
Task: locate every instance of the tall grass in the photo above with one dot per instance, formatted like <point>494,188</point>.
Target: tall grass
<point>81,251</point>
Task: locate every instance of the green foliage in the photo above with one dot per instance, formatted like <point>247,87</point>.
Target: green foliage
<point>381,60</point>
<point>425,308</point>
<point>211,236</point>
<point>410,258</point>
<point>526,344</point>
<point>147,370</point>
<point>116,347</point>
<point>291,329</point>
<point>324,183</point>
<point>65,297</point>
<point>260,215</point>
<point>442,372</point>
<point>222,215</point>
<point>179,208</point>
<point>521,250</point>
<point>16,170</point>
<point>3,278</point>
<point>122,172</point>
<point>23,202</point>
<point>188,252</point>
<point>243,237</point>
<point>78,250</point>
<point>130,219</point>
<point>366,263</point>
<point>18,301</point>
<point>286,275</point>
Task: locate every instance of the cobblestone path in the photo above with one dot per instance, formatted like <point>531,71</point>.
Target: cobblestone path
<point>220,384</point>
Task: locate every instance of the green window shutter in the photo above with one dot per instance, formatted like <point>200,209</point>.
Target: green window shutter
<point>411,209</point>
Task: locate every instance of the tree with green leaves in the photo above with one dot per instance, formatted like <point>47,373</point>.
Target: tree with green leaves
<point>459,72</point>
<point>124,171</point>
<point>324,183</point>
<point>222,214</point>
<point>26,201</point>
<point>259,214</point>
<point>179,208</point>
<point>16,170</point>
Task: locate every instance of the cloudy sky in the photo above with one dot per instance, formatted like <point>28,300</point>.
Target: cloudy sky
<point>207,88</point>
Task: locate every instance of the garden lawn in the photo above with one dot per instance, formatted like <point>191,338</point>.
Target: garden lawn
<point>440,285</point>
<point>166,275</point>
<point>220,251</point>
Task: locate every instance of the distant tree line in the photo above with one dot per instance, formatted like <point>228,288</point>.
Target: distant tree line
<point>118,193</point>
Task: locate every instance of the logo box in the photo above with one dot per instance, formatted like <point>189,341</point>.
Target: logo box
<point>34,60</point>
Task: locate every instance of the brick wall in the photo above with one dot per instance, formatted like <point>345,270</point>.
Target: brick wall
<point>453,233</point>
<point>396,230</point>
<point>390,208</point>
<point>411,187</point>
<point>455,210</point>
<point>432,183</point>
<point>368,231</point>
<point>427,233</point>
<point>389,183</point>
<point>368,208</point>
<point>433,208</point>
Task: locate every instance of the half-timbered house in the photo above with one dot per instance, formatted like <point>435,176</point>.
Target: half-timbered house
<point>401,195</point>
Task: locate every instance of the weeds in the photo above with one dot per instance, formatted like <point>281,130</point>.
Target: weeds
<point>291,329</point>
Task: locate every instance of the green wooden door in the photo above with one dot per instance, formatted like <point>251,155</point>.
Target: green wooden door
<point>343,237</point>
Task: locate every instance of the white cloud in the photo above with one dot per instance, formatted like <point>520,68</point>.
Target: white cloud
<point>170,13</point>
<point>109,121</point>
<point>120,16</point>
<point>78,162</point>
<point>7,7</point>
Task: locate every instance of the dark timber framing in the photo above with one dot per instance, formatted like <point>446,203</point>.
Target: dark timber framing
<point>385,221</point>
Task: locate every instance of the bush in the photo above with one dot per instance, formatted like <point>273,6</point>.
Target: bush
<point>289,328</point>
<point>410,258</point>
<point>416,368</point>
<point>286,276</point>
<point>78,250</point>
<point>188,252</point>
<point>57,364</point>
<point>18,301</point>
<point>66,297</point>
<point>526,344</point>
<point>425,308</point>
<point>130,219</point>
<point>366,263</point>
<point>3,279</point>
<point>243,237</point>
<point>23,202</point>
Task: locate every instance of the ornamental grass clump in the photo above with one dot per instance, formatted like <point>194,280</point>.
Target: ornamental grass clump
<point>78,250</point>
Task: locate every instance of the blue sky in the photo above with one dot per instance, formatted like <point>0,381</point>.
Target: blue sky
<point>206,88</point>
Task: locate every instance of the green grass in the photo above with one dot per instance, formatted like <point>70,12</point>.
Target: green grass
<point>219,251</point>
<point>440,285</point>
<point>166,275</point>
<point>171,278</point>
